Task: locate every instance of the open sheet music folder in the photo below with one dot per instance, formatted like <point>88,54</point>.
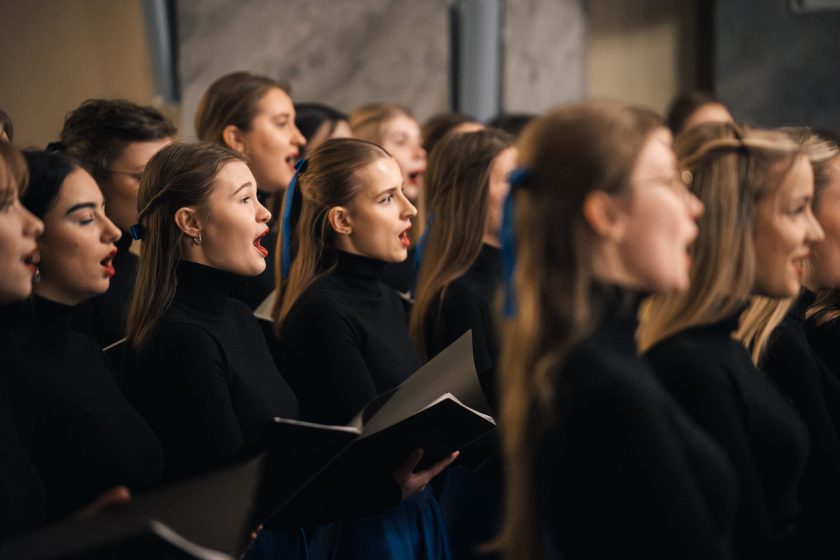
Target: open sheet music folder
<point>205,517</point>
<point>440,409</point>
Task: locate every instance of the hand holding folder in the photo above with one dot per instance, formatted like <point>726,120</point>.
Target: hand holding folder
<point>439,409</point>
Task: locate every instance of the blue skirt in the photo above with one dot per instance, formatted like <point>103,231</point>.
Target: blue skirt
<point>411,530</point>
<point>278,544</point>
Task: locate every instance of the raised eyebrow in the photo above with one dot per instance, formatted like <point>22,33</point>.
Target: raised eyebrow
<point>81,206</point>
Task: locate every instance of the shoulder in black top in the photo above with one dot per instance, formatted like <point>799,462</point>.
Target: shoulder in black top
<point>621,472</point>
<point>713,378</point>
<point>346,341</point>
<point>23,501</point>
<point>467,305</point>
<point>801,376</point>
<point>823,339</point>
<point>205,380</point>
<point>103,317</point>
<point>83,436</point>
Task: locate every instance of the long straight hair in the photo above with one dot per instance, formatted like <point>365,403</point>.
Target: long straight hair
<point>332,178</point>
<point>733,168</point>
<point>457,187</point>
<point>764,314</point>
<point>180,175</point>
<point>569,153</point>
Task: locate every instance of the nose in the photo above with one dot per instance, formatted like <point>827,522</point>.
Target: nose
<point>263,215</point>
<point>33,227</point>
<point>110,232</point>
<point>299,139</point>
<point>409,210</point>
<point>815,232</point>
<point>694,204</point>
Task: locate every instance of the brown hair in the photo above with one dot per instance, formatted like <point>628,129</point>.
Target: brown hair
<point>331,179</point>
<point>570,152</point>
<point>98,130</point>
<point>180,175</point>
<point>14,174</point>
<point>733,168</point>
<point>457,187</point>
<point>232,99</point>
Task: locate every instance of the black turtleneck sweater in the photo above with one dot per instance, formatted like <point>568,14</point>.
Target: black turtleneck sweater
<point>23,501</point>
<point>467,305</point>
<point>82,435</point>
<point>103,317</point>
<point>205,380</point>
<point>621,471</point>
<point>346,341</point>
<point>806,382</point>
<point>712,376</point>
<point>823,337</point>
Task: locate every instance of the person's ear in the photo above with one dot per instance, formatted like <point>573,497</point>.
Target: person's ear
<point>340,220</point>
<point>234,138</point>
<point>603,212</point>
<point>188,221</point>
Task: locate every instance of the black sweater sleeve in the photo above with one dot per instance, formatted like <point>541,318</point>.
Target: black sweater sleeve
<point>22,495</point>
<point>624,487</point>
<point>461,312</point>
<point>187,401</point>
<point>708,395</point>
<point>323,363</point>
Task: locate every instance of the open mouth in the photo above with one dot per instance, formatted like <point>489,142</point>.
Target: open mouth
<point>108,264</point>
<point>292,160</point>
<point>414,177</point>
<point>404,240</point>
<point>263,251</point>
<point>31,261</point>
<point>799,265</point>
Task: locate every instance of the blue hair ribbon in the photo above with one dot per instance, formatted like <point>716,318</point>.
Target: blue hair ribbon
<point>137,231</point>
<point>286,223</point>
<point>508,234</point>
<point>419,250</point>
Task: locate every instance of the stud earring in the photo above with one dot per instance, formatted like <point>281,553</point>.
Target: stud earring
<point>197,239</point>
<point>37,274</point>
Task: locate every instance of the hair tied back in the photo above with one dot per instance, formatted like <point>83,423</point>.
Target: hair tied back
<point>286,221</point>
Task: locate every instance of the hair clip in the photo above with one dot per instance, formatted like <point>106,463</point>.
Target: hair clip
<point>519,175</point>
<point>137,232</point>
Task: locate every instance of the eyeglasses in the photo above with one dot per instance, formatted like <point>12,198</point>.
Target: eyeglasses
<point>136,175</point>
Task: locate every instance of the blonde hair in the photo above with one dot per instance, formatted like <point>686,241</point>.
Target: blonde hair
<point>569,153</point>
<point>733,168</point>
<point>367,121</point>
<point>764,314</point>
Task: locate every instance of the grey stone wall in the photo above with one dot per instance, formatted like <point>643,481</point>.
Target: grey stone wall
<point>347,52</point>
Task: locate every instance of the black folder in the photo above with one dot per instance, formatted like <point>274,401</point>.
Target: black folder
<point>206,517</point>
<point>440,409</point>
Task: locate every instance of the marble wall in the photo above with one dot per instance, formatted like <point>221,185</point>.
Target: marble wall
<point>349,52</point>
<point>778,68</point>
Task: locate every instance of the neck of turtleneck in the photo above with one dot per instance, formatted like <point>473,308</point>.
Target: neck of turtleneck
<point>489,262</point>
<point>203,287</point>
<point>619,314</point>
<point>801,305</point>
<point>362,271</point>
